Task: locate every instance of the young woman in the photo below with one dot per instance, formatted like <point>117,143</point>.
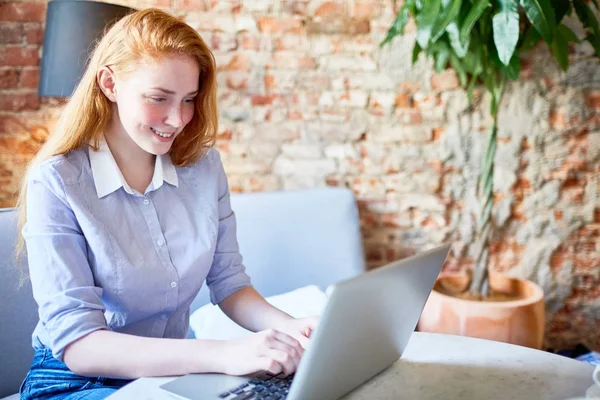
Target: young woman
<point>126,212</point>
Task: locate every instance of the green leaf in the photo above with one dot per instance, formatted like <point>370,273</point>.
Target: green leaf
<point>460,48</point>
<point>415,53</point>
<point>595,42</point>
<point>426,19</point>
<point>400,22</point>
<point>506,29</point>
<point>441,56</point>
<point>471,87</point>
<point>472,61</point>
<point>513,69</point>
<point>476,12</point>
<point>568,34</point>
<point>489,80</point>
<point>542,16</point>
<point>560,49</point>
<point>561,8</point>
<point>590,23</point>
<point>460,70</point>
<point>449,14</point>
<point>532,37</point>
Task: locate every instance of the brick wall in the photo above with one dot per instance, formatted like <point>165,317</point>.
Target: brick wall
<point>308,99</point>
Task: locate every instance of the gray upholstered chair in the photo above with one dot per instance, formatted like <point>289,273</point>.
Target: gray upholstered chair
<point>18,312</point>
<point>288,240</point>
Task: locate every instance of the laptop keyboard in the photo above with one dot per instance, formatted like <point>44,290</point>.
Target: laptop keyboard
<point>269,387</point>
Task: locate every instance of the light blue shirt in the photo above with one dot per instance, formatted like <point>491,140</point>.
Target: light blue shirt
<point>104,256</point>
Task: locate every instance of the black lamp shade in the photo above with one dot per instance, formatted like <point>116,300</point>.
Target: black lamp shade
<point>72,28</point>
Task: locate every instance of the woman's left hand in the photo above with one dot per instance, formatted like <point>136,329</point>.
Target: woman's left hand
<point>299,328</point>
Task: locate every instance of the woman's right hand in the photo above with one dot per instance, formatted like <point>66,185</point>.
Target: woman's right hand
<point>267,351</point>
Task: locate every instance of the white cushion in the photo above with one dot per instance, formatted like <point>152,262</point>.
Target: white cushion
<point>11,397</point>
<point>209,322</point>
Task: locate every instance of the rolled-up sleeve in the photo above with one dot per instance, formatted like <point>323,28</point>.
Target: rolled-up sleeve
<point>227,273</point>
<point>70,305</point>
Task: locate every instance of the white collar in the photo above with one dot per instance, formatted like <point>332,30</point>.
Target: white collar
<point>108,177</point>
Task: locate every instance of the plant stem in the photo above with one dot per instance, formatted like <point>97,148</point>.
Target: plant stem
<point>480,280</point>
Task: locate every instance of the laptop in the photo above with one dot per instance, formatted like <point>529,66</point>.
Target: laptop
<point>363,329</point>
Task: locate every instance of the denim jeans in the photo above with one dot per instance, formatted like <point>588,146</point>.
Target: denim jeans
<point>50,379</point>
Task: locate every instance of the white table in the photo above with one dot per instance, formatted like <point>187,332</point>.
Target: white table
<point>438,366</point>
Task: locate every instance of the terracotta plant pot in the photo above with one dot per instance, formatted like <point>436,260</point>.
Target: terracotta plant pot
<point>519,321</point>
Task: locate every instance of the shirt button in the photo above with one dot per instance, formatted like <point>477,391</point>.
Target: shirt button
<point>160,242</point>
<point>173,285</point>
<point>146,202</point>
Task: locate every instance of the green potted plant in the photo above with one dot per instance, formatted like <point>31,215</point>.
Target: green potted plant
<point>483,41</point>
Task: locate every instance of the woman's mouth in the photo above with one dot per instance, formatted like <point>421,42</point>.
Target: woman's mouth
<point>163,135</point>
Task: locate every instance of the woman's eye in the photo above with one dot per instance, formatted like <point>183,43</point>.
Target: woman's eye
<point>157,99</point>
<point>189,100</point>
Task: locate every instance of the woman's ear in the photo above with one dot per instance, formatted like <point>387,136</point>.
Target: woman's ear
<point>106,81</point>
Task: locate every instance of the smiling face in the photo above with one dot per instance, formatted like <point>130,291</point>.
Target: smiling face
<point>154,102</point>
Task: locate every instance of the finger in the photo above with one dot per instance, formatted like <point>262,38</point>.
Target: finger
<point>272,343</point>
<point>312,324</point>
<point>304,342</point>
<point>270,365</point>
<point>285,342</point>
<point>286,361</point>
<point>289,340</point>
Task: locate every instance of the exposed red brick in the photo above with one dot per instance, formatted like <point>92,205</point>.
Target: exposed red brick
<point>162,4</point>
<point>236,82</point>
<point>9,79</point>
<point>293,61</point>
<point>592,99</point>
<point>11,33</point>
<point>192,5</point>
<point>238,62</point>
<point>22,11</point>
<point>338,26</point>
<point>295,7</point>
<point>409,116</point>
<point>516,212</point>
<point>366,10</point>
<point>447,80</point>
<point>19,101</point>
<point>30,78</point>
<point>23,147</point>
<point>558,215</point>
<point>369,221</point>
<point>225,135</point>
<point>522,185</point>
<point>12,55</point>
<point>358,27</point>
<point>409,87</point>
<point>260,100</point>
<point>374,253</point>
<point>248,41</point>
<point>403,100</point>
<point>437,133</point>
<point>330,9</point>
<point>11,125</point>
<point>526,69</point>
<point>34,33</point>
<point>597,215</point>
<point>295,115</point>
<point>270,82</point>
<point>279,25</point>
<point>558,118</point>
<point>291,42</point>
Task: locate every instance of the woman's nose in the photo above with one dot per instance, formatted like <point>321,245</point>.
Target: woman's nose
<point>174,118</point>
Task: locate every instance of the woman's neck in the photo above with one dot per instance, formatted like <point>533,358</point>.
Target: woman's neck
<point>136,165</point>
